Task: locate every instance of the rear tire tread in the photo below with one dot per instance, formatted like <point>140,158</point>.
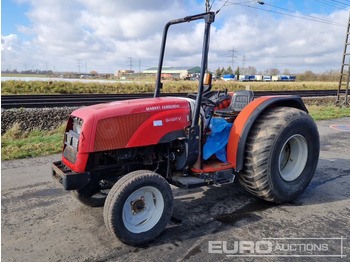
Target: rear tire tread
<point>260,142</point>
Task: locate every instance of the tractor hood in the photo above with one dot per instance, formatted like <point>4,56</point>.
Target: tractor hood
<point>131,123</point>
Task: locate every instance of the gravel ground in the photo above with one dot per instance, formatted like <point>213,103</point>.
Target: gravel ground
<point>42,222</point>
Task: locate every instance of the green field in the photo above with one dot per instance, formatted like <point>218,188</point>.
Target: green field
<point>64,87</point>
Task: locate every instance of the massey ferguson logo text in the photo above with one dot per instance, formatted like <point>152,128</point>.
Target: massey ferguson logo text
<point>165,107</point>
<point>280,247</point>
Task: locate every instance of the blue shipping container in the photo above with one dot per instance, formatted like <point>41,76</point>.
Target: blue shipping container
<point>228,76</point>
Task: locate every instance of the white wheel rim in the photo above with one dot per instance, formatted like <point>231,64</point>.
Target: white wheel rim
<point>293,158</point>
<point>143,209</point>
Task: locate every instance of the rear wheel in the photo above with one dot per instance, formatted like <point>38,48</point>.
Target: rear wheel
<point>281,154</point>
<point>138,207</point>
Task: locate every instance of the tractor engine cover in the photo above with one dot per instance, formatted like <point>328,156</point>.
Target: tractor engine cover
<point>124,124</point>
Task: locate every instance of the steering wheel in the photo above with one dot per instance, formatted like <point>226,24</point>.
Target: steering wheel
<point>205,97</point>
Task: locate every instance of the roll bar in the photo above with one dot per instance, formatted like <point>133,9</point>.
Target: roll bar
<point>209,18</point>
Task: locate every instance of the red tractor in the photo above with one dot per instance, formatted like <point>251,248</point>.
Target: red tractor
<point>124,154</point>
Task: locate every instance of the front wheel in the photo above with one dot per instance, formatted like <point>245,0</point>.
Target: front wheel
<point>281,154</point>
<point>138,207</point>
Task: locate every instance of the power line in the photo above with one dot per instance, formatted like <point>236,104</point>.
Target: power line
<point>79,64</point>
<point>232,55</point>
<point>332,4</point>
<point>243,62</point>
<point>308,16</point>
<point>305,17</point>
<point>240,3</point>
<point>130,62</point>
<point>341,3</point>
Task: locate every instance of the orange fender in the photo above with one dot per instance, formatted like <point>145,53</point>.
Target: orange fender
<point>245,120</point>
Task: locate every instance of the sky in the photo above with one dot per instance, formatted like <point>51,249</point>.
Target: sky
<point>105,36</point>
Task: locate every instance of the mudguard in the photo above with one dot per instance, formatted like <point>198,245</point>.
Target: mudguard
<point>245,120</point>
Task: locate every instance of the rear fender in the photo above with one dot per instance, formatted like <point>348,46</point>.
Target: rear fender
<point>245,120</point>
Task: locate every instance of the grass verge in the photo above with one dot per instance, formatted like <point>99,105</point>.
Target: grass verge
<point>328,112</point>
<point>16,144</point>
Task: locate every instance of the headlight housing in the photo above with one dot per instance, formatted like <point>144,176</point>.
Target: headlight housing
<point>71,139</point>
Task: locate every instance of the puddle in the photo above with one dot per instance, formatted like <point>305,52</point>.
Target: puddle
<point>245,212</point>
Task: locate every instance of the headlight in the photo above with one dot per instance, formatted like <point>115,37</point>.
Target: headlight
<point>75,142</point>
<point>77,129</point>
<point>77,124</point>
<point>72,139</point>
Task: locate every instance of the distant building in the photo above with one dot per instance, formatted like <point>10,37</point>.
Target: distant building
<point>123,72</point>
<point>173,72</point>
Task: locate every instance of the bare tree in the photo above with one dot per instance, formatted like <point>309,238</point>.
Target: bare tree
<point>274,71</point>
<point>250,70</point>
<point>286,71</point>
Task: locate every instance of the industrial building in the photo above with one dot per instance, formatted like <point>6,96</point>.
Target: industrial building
<point>174,72</point>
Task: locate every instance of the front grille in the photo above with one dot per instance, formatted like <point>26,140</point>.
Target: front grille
<point>115,132</point>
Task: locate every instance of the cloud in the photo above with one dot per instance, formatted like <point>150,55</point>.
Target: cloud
<point>287,43</point>
<point>67,34</point>
<point>12,50</point>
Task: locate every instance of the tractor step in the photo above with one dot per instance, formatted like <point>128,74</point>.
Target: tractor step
<point>217,178</point>
<point>189,182</point>
<point>223,177</point>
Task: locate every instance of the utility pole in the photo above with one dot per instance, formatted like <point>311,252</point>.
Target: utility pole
<point>344,78</point>
<point>79,63</point>
<point>232,55</point>
<point>130,62</point>
<point>207,6</point>
<point>243,62</point>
